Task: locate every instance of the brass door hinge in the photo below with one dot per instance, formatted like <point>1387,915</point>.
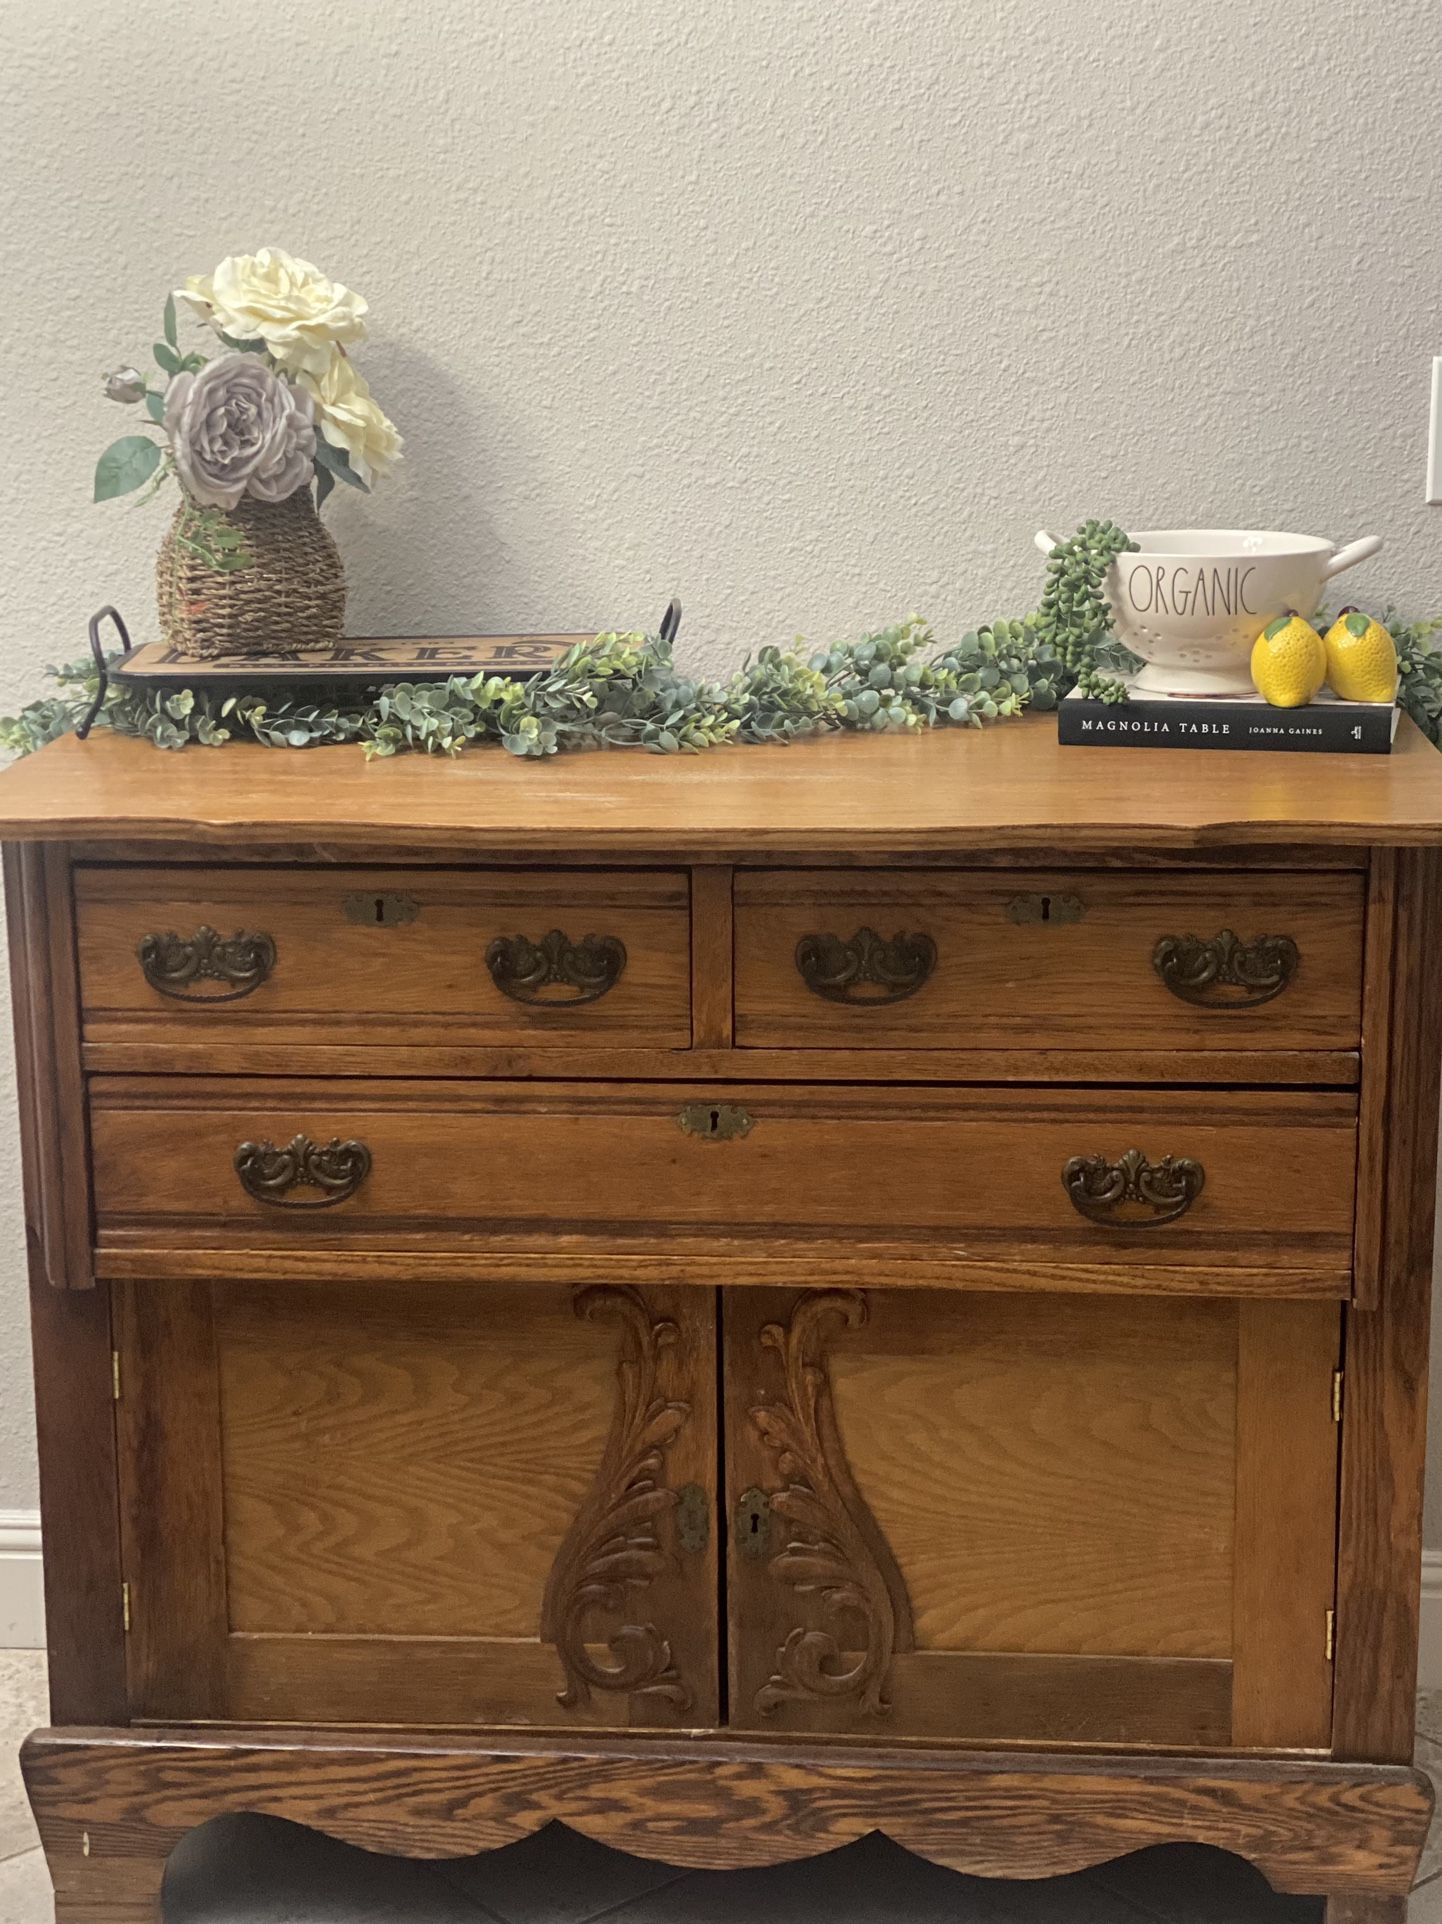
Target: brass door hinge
<point>693,1519</point>
<point>1331,1635</point>
<point>115,1375</point>
<point>1337,1381</point>
<point>125,1606</point>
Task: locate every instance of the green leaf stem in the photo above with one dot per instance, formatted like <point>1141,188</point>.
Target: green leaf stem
<point>126,464</point>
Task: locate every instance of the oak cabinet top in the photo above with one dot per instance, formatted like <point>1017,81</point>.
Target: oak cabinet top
<point>1008,786</point>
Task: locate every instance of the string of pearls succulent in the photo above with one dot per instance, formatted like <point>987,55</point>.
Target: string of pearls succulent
<point>1074,617</point>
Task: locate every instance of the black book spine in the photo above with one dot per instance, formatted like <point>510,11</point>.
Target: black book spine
<point>1319,728</point>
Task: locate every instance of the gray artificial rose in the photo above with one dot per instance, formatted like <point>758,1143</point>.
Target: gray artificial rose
<point>125,384</point>
<point>236,428</point>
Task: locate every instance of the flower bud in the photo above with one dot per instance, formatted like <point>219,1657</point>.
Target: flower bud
<point>125,384</point>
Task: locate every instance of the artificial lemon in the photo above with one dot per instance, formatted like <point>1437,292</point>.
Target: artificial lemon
<point>1361,658</point>
<point>1289,663</point>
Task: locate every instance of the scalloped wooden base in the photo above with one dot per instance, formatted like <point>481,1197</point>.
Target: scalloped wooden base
<point>112,1804</point>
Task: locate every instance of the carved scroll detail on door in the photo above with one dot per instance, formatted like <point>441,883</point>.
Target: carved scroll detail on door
<point>613,1552</point>
<point>834,1550</point>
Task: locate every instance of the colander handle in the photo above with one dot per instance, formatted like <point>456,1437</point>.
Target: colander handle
<point>1045,541</point>
<point>1354,552</point>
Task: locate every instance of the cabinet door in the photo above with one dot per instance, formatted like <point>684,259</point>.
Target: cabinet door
<point>420,1504</point>
<point>1085,1519</point>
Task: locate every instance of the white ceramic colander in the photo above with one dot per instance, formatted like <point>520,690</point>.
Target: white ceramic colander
<point>1191,601</point>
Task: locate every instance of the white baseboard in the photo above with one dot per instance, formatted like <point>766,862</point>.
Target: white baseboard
<point>22,1604</point>
<point>1429,1671</point>
<point>22,1599</point>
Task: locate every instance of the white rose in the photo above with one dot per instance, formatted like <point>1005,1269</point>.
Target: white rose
<point>348,418</point>
<point>287,303</point>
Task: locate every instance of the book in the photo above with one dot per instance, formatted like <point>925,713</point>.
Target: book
<point>1326,726</point>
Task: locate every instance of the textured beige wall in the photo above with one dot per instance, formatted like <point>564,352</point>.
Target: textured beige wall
<point>810,311</point>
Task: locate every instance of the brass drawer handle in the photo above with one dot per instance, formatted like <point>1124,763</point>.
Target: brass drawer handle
<point>1206,973</point>
<point>524,970</point>
<point>335,1168</point>
<point>171,963</point>
<point>715,1121</point>
<point>1099,1188</point>
<point>867,970</point>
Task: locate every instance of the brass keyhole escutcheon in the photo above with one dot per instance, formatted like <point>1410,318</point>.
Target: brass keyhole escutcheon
<point>715,1121</point>
<point>1063,910</point>
<point>380,911</point>
<point>751,1524</point>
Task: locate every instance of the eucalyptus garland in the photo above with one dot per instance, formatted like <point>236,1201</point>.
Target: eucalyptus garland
<point>618,691</point>
<point>625,690</point>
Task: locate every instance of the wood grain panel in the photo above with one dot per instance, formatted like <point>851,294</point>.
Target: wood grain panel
<point>1286,1520</point>
<point>71,1333</point>
<point>1052,1475</point>
<point>70,1326</point>
<point>1046,983</point>
<point>990,1518</point>
<point>350,1510</point>
<point>1012,788</point>
<point>46,1007</point>
<point>714,1803</point>
<point>1384,1428</point>
<point>1369,1255</point>
<point>355,979</point>
<point>172,1509</point>
<point>406,1468</point>
<point>1086,1504</point>
<point>712,960</point>
<point>550,1160</point>
<point>952,1697</point>
<point>1181,1703</point>
<point>1065,851</point>
<point>423,1683</point>
<point>1282,1068</point>
<point>804,1261</point>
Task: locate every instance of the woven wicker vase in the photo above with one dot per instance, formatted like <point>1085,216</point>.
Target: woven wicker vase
<point>289,596</point>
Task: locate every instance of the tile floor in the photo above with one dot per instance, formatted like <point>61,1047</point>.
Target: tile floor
<point>256,1870</point>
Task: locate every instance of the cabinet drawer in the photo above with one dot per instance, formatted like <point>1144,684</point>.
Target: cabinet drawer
<point>952,960</point>
<point>1013,1176</point>
<point>337,955</point>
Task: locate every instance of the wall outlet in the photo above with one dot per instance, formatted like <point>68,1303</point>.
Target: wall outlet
<point>1434,439</point>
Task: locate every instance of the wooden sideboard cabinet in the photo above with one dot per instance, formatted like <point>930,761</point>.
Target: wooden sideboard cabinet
<point>731,1302</point>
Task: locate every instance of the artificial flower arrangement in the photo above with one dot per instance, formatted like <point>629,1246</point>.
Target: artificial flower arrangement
<point>256,436</point>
